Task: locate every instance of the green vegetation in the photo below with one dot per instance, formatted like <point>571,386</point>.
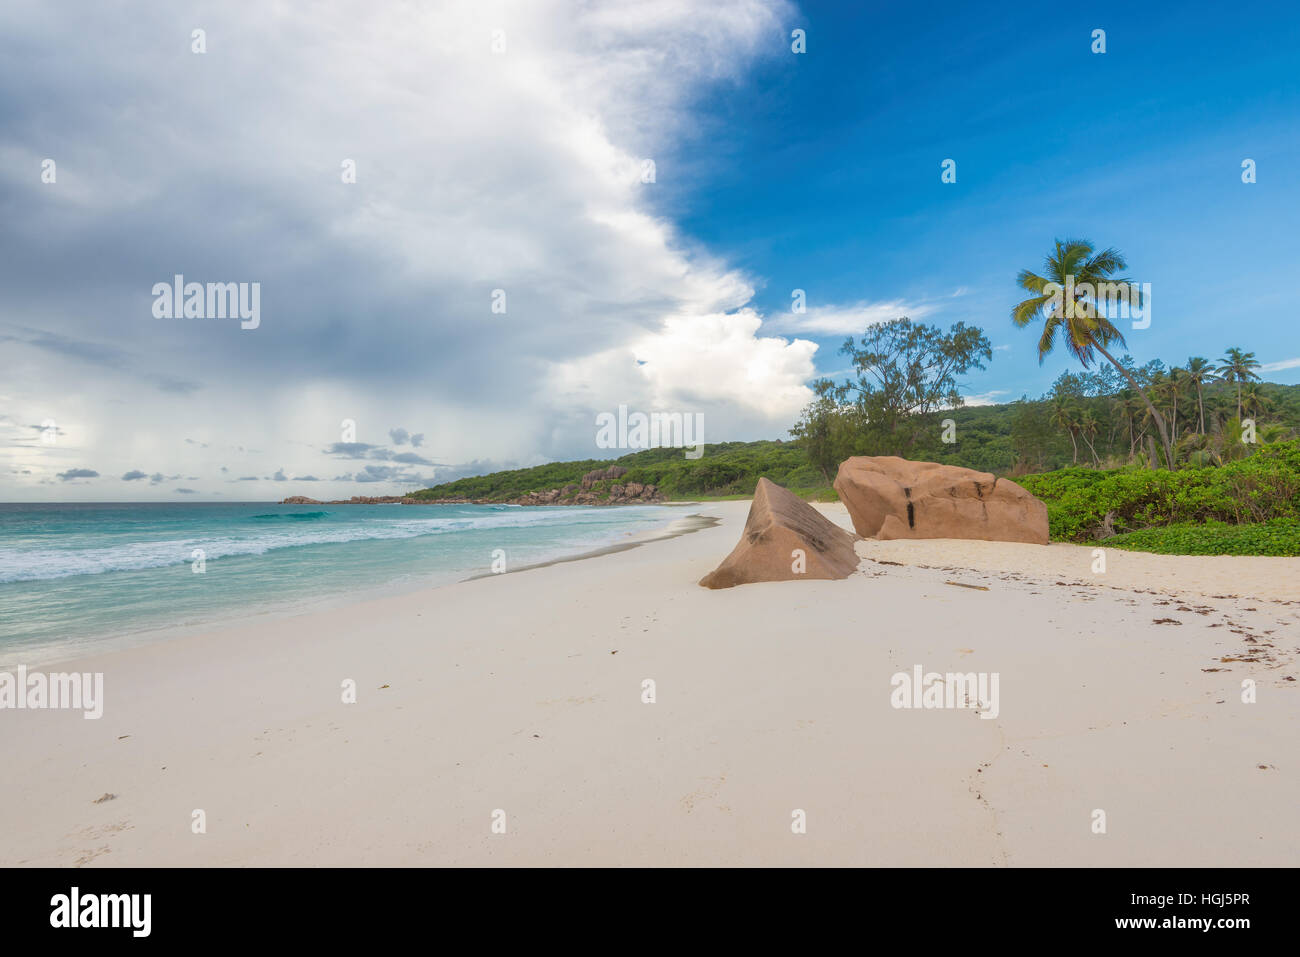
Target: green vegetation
<point>1278,537</point>
<point>505,486</point>
<point>1030,435</point>
<point>1085,504</point>
<point>906,373</point>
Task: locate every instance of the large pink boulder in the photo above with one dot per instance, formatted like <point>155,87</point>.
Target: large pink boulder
<point>888,497</point>
<point>785,538</point>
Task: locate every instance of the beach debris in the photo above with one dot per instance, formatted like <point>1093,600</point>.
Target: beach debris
<point>785,539</point>
<point>890,498</point>
<point>382,687</point>
<point>106,796</point>
<point>964,585</point>
<point>1165,621</point>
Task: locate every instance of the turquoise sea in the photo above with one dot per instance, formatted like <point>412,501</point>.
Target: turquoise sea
<point>78,578</point>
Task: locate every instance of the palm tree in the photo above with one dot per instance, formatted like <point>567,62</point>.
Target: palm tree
<point>1177,377</point>
<point>1254,401</point>
<point>1200,372</point>
<point>1158,389</point>
<point>1277,432</point>
<point>1063,417</point>
<point>1088,431</point>
<point>1127,406</point>
<point>1148,417</point>
<point>1238,367</point>
<point>1084,328</point>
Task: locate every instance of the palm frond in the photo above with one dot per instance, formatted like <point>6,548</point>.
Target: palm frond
<point>1023,313</point>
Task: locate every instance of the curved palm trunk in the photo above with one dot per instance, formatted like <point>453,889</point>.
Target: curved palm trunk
<point>1200,406</point>
<point>1155,413</point>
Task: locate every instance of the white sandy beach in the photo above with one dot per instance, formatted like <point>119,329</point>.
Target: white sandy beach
<point>523,692</point>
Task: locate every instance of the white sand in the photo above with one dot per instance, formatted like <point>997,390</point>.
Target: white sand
<point>1223,576</point>
<point>506,693</point>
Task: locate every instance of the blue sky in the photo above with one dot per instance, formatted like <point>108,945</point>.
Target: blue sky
<point>515,168</point>
<point>822,171</point>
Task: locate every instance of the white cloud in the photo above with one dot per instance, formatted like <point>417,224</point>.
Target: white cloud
<point>714,364</point>
<point>1280,365</point>
<point>992,397</point>
<point>849,320</point>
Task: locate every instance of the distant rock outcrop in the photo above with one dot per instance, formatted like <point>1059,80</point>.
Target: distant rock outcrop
<point>889,497</point>
<point>785,539</point>
<point>633,493</point>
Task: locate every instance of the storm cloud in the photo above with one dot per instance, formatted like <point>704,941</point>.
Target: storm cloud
<point>480,178</point>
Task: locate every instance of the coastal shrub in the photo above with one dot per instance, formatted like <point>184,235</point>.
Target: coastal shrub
<point>1262,487</point>
<point>1279,536</point>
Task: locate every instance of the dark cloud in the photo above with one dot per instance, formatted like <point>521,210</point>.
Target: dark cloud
<point>184,491</point>
<point>105,356</point>
<point>364,450</point>
<point>382,309</point>
<point>401,437</point>
<point>78,473</point>
<point>134,474</point>
<point>406,458</point>
<point>350,450</point>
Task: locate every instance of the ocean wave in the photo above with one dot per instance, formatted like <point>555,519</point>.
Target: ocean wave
<point>18,565</point>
